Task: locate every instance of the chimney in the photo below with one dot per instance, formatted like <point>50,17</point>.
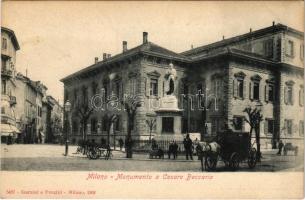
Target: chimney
<point>104,56</point>
<point>250,30</point>
<point>145,37</point>
<point>95,60</point>
<point>273,23</point>
<point>124,46</point>
<point>192,47</point>
<point>108,55</point>
<point>223,37</point>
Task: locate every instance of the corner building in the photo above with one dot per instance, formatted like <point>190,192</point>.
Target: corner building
<point>262,68</point>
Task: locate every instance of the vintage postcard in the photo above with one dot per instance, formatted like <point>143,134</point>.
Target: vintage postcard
<point>152,99</point>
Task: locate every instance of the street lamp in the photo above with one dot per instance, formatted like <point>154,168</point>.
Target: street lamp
<point>67,111</point>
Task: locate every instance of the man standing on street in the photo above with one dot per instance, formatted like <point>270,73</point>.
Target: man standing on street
<point>280,147</point>
<point>188,144</point>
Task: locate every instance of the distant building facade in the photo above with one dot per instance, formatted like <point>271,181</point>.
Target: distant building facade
<point>261,69</point>
<point>22,99</point>
<point>9,46</point>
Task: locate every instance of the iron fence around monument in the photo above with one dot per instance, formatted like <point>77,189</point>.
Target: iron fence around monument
<point>145,145</point>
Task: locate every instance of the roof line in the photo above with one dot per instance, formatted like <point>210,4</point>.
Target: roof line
<point>277,27</point>
<point>14,38</point>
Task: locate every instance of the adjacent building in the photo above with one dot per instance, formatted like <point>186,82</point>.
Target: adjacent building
<point>9,46</point>
<point>212,84</point>
<point>22,99</point>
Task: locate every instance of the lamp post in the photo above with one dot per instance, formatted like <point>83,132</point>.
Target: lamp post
<point>67,111</point>
<point>258,119</point>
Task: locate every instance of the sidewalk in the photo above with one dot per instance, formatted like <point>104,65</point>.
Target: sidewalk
<point>139,156</point>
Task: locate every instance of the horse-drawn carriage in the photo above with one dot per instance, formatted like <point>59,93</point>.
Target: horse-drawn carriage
<point>230,147</point>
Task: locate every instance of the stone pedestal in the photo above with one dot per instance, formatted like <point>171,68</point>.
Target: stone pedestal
<point>169,120</point>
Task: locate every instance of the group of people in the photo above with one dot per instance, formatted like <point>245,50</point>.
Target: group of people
<point>189,147</point>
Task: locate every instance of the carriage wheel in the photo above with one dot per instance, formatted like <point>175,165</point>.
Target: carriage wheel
<point>93,154</point>
<point>252,158</point>
<point>234,161</point>
<point>211,162</point>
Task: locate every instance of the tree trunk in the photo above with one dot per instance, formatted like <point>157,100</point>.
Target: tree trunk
<point>128,142</point>
<point>257,137</point>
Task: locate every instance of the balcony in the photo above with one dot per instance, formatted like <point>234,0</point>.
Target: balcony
<point>6,72</point>
<point>13,100</point>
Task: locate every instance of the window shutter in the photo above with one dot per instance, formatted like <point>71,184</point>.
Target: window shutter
<point>245,88</point>
<point>294,128</point>
<point>159,86</point>
<point>302,96</point>
<point>292,96</point>
<point>261,91</point>
<point>285,95</point>
<point>251,90</point>
<point>234,87</point>
<point>266,127</point>
<point>147,87</point>
<point>266,93</point>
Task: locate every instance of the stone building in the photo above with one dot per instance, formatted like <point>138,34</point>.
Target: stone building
<point>9,46</point>
<point>211,85</point>
<point>22,99</point>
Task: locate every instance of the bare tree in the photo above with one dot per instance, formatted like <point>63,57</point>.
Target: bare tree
<point>254,119</point>
<point>150,123</point>
<point>131,105</point>
<point>84,112</point>
<point>109,119</point>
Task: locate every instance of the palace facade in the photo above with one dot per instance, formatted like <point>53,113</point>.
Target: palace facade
<point>213,85</point>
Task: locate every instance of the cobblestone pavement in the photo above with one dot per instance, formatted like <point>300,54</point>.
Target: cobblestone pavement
<point>42,157</point>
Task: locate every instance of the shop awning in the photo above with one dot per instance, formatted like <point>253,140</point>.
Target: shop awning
<point>7,129</point>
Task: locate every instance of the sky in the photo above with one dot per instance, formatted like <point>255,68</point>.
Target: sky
<point>58,38</point>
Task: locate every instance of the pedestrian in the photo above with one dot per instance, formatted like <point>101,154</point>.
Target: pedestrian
<point>281,145</point>
<point>175,150</point>
<point>188,145</point>
<point>121,143</point>
<point>154,145</point>
<point>170,149</point>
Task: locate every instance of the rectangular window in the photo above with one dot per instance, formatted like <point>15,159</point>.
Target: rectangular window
<point>117,124</point>
<point>93,126</point>
<point>167,124</point>
<point>85,95</point>
<point>256,90</point>
<point>302,51</point>
<point>289,50</point>
<point>270,124</point>
<point>104,124</point>
<point>301,96</point>
<point>289,126</point>
<point>3,87</point>
<point>268,47</point>
<point>117,88</point>
<point>153,87</point>
<point>289,94</point>
<point>301,128</point>
<point>4,43</point>
<point>132,86</point>
<point>270,92</point>
<point>238,123</point>
<point>217,87</point>
<point>240,88</point>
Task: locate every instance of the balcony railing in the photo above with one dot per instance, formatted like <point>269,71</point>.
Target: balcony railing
<point>6,72</point>
<point>13,100</point>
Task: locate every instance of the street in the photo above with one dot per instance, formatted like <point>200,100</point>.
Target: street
<point>43,157</point>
